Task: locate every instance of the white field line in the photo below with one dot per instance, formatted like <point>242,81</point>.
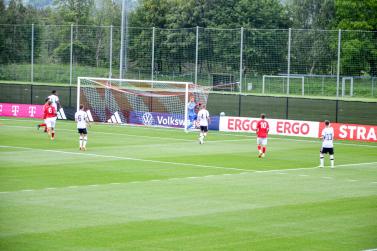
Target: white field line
<point>281,171</point>
<point>245,137</point>
<point>245,171</point>
<point>127,158</point>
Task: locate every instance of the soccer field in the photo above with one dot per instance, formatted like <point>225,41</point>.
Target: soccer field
<point>138,188</point>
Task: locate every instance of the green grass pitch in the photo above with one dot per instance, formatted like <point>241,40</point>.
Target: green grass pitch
<point>138,188</point>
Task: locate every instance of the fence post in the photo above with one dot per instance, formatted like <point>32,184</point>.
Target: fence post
<point>241,59</point>
<point>152,63</point>
<point>289,59</point>
<point>31,93</point>
<point>336,110</point>
<point>338,64</point>
<point>287,108</point>
<point>70,96</point>
<point>122,39</point>
<point>32,54</point>
<point>71,57</point>
<point>239,104</point>
<point>196,54</point>
<point>111,52</point>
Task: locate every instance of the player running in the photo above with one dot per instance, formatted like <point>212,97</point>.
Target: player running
<point>44,116</point>
<point>204,120</point>
<point>327,144</point>
<point>50,115</point>
<point>81,117</point>
<point>262,133</point>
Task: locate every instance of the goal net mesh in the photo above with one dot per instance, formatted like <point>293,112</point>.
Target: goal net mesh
<point>152,103</point>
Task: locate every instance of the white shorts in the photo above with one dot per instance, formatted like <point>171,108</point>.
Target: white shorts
<point>50,122</point>
<point>262,141</point>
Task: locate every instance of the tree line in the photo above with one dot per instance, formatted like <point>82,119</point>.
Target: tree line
<point>359,49</point>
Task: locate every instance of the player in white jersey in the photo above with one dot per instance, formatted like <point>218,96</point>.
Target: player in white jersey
<point>327,144</point>
<point>203,120</point>
<point>81,117</point>
<point>54,100</point>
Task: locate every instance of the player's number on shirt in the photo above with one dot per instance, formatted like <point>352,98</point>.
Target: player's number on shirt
<point>263,125</point>
<point>327,136</point>
<point>79,118</point>
<point>49,110</point>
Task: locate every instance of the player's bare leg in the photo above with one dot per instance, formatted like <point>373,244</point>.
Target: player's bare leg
<point>49,132</point>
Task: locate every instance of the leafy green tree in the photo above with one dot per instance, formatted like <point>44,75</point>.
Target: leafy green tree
<point>16,34</point>
<point>151,13</point>
<point>309,14</point>
<point>216,49</point>
<point>356,15</point>
<point>313,51</point>
<point>266,14</point>
<point>359,49</point>
<point>77,12</point>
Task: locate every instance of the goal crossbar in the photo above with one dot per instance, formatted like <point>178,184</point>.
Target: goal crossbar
<point>287,77</point>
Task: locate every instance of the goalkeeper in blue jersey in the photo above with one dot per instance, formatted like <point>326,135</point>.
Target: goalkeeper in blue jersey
<point>191,111</point>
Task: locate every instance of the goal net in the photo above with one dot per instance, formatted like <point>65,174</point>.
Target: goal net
<point>141,102</point>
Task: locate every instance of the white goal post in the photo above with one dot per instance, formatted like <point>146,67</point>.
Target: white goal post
<point>285,77</point>
<point>344,79</point>
<point>140,102</point>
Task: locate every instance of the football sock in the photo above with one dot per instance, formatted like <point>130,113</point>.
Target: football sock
<point>81,139</point>
<point>332,160</point>
<point>52,134</point>
<point>85,140</point>
<point>259,149</point>
<point>264,149</point>
<point>43,124</point>
<point>321,158</point>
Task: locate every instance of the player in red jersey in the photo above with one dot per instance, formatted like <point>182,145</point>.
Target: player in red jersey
<point>44,117</point>
<point>50,115</point>
<point>262,133</point>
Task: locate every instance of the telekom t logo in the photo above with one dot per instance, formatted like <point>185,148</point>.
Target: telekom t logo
<point>15,110</point>
<point>1,108</point>
<point>32,110</point>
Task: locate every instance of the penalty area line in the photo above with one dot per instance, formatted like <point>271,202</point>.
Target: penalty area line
<point>128,158</point>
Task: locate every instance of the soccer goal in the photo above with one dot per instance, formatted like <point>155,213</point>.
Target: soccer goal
<point>344,86</point>
<point>280,84</point>
<point>140,102</point>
